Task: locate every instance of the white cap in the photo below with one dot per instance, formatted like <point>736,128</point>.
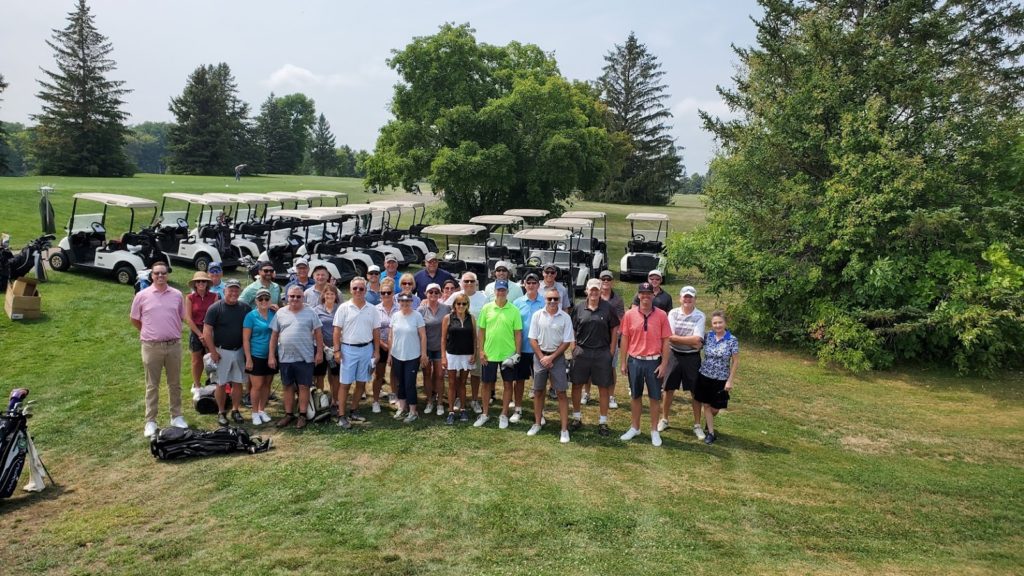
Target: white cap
<point>655,272</point>
<point>373,268</point>
<point>688,291</point>
<point>301,262</point>
<point>503,264</point>
<point>593,283</point>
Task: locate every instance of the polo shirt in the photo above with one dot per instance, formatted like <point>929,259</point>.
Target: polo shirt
<point>357,324</point>
<point>683,324</point>
<point>227,322</point>
<point>551,330</point>
<point>161,313</point>
<point>423,280</point>
<point>594,327</point>
<point>645,342</point>
<point>527,308</point>
<point>249,294</point>
<point>499,324</point>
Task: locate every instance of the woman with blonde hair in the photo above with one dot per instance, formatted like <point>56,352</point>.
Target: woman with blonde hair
<point>325,309</point>
<point>458,337</point>
<point>384,311</point>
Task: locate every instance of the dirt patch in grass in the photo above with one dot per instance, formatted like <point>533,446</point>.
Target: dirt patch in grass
<point>866,445</point>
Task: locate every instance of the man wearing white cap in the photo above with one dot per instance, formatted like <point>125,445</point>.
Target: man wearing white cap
<point>687,323</point>
<point>662,300</point>
<point>430,274</point>
<point>501,272</point>
<point>373,284</point>
<point>301,279</point>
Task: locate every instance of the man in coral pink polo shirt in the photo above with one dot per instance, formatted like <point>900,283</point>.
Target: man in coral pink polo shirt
<point>157,313</point>
<point>645,349</point>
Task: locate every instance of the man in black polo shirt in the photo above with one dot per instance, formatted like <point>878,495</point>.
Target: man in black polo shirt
<point>597,327</point>
<point>222,332</point>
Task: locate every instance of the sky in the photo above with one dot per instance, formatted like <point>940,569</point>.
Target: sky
<point>336,52</point>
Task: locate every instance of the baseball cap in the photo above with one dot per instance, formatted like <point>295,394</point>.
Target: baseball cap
<point>301,262</point>
<point>403,297</point>
<point>550,267</point>
<point>232,283</point>
<point>502,264</point>
<point>264,264</point>
<point>373,268</point>
<point>645,287</point>
<point>262,292</point>
<point>593,283</point>
<point>501,284</point>
<point>430,256</point>
<point>391,258</point>
<point>607,274</point>
<point>531,276</point>
<point>215,267</point>
<point>688,291</point>
<point>432,286</point>
<point>655,272</point>
<point>320,267</point>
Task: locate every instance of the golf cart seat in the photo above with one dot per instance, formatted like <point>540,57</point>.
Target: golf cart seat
<point>209,232</point>
<point>454,267</point>
<point>652,246</point>
<point>416,229</point>
<point>253,228</point>
<point>392,235</point>
<point>579,257</point>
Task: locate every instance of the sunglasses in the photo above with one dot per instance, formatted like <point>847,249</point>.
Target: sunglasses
<point>606,279</point>
<point>158,273</point>
<point>546,272</point>
<point>407,283</point>
<point>386,292</point>
<point>433,291</point>
<point>357,289</point>
<point>373,273</point>
<point>462,303</point>
<point>201,281</point>
<point>532,282</point>
<point>263,299</point>
<point>295,296</point>
<point>553,299</point>
<point>469,281</point>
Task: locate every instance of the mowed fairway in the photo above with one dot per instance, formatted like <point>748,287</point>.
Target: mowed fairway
<point>914,471</point>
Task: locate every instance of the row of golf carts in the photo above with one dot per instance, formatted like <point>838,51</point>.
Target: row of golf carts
<point>241,229</point>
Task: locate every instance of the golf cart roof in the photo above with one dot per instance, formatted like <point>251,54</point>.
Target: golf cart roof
<point>454,229</point>
<point>312,215</point>
<point>409,203</point>
<point>570,223</point>
<point>323,194</point>
<point>201,200</point>
<point>300,214</point>
<point>119,200</point>
<point>499,219</point>
<point>251,198</point>
<point>647,216</point>
<point>339,211</point>
<point>588,214</point>
<point>286,196</point>
<point>550,234</point>
<point>527,212</point>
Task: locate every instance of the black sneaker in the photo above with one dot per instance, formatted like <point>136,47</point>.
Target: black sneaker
<point>237,416</point>
<point>356,417</point>
<point>222,419</point>
<point>709,438</point>
<point>451,419</point>
<point>575,425</point>
<point>246,401</point>
<point>334,411</point>
<point>603,430</point>
<point>463,417</point>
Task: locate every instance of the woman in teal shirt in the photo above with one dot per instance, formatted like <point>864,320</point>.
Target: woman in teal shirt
<point>256,343</point>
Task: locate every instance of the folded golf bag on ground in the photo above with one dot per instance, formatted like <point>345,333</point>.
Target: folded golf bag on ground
<point>16,446</point>
<point>205,402</point>
<point>174,443</point>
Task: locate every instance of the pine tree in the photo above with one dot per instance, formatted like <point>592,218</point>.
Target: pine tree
<point>631,88</point>
<point>323,154</point>
<point>276,140</point>
<point>211,135</point>
<point>82,128</point>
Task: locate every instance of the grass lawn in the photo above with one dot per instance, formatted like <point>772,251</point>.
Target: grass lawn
<point>913,471</point>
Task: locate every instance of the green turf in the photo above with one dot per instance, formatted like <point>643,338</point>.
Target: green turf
<point>914,471</point>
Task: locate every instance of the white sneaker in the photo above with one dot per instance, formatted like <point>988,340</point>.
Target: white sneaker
<point>458,405</point>
<point>429,408</point>
<point>531,393</point>
<point>514,418</point>
<point>375,408</point>
<point>565,437</point>
<point>265,417</point>
<point>476,407</point>
<point>149,430</point>
<point>662,425</point>
<point>179,422</point>
<point>533,430</point>
<point>392,399</point>
<point>630,434</point>
<point>584,400</point>
<point>439,410</point>
<point>410,418</point>
<point>399,415</point>
<point>612,403</point>
<point>256,420</point>
<point>481,420</point>
<point>655,439</point>
<point>543,421</point>
<point>195,393</point>
<point>698,432</point>
<point>503,422</point>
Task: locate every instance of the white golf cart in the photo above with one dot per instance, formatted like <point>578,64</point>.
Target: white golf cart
<point>598,241</point>
<point>248,212</point>
<point>645,250</point>
<point>532,216</point>
<point>545,246</point>
<point>411,237</point>
<point>460,257</point>
<point>87,246</point>
<point>210,240</point>
<point>324,198</point>
<point>328,240</point>
<point>501,244</point>
<point>586,264</point>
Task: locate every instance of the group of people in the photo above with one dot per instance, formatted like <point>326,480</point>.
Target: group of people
<point>442,326</point>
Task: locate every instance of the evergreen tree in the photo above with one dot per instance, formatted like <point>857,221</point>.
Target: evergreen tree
<point>631,88</point>
<point>81,130</point>
<point>346,161</point>
<point>323,155</point>
<point>211,133</point>
<point>276,139</point>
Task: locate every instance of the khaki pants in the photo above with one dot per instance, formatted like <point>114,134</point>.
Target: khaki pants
<point>156,358</point>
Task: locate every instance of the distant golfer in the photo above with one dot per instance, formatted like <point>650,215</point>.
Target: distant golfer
<point>238,171</point>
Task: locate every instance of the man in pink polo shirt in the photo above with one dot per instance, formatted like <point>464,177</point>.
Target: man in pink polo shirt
<point>645,349</point>
<point>157,313</point>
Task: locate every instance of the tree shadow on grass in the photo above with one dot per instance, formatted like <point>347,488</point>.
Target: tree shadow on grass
<point>26,499</point>
<point>1007,386</point>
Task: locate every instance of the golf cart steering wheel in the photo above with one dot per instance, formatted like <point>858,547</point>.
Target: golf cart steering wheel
<point>448,256</point>
<point>491,242</point>
<point>561,246</point>
<point>182,223</point>
<point>97,228</point>
<point>639,237</point>
<point>533,261</point>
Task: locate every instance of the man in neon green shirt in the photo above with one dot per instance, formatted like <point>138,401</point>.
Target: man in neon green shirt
<point>501,326</point>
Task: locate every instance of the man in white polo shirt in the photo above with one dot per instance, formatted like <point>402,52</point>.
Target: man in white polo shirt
<point>356,343</point>
<point>550,336</point>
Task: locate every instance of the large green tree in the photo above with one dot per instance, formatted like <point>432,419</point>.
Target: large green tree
<point>146,146</point>
<point>81,130</point>
<point>631,86</point>
<point>283,128</point>
<point>867,198</point>
<point>211,134</point>
<point>491,126</point>
<point>323,156</point>
<point>4,149</point>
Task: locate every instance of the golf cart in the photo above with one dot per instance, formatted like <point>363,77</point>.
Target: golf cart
<point>410,236</point>
<point>86,245</point>
<point>501,244</point>
<point>326,198</point>
<point>212,238</point>
<point>531,216</point>
<point>645,250</point>
<point>585,263</point>
<point>382,232</point>
<point>598,241</point>
<point>248,212</point>
<point>544,246</point>
<point>329,234</point>
<point>461,257</point>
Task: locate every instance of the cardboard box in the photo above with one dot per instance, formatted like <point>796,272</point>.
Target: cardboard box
<point>23,301</point>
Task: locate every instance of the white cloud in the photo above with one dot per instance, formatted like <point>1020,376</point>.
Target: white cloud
<point>292,77</point>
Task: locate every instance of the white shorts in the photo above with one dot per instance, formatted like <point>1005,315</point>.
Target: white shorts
<point>231,367</point>
<point>458,361</point>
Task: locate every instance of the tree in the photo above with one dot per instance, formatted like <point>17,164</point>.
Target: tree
<point>211,133</point>
<point>323,156</point>
<point>631,88</point>
<point>867,198</point>
<point>283,129</point>
<point>81,130</point>
<point>346,161</point>
<point>4,148</point>
<point>300,110</point>
<point>490,126</point>
<point>147,146</point>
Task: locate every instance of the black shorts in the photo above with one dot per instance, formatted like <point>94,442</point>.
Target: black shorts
<point>682,371</point>
<point>195,344</point>
<point>320,369</point>
<point>592,366</point>
<point>524,369</point>
<point>489,373</point>
<point>712,392</point>
<point>260,367</point>
<point>383,360</point>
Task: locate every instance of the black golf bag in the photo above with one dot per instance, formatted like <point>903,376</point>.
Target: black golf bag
<point>16,447</point>
<point>174,443</point>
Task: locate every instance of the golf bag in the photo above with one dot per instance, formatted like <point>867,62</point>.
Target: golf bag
<point>14,266</point>
<point>174,443</point>
<point>16,446</point>
<point>204,400</point>
<point>319,408</point>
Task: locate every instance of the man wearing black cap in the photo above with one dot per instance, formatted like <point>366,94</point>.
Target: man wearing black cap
<point>222,332</point>
<point>430,274</point>
<point>551,283</point>
<point>596,326</point>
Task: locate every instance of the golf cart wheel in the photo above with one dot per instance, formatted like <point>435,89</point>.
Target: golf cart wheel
<point>59,261</point>
<point>202,262</point>
<point>124,274</point>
